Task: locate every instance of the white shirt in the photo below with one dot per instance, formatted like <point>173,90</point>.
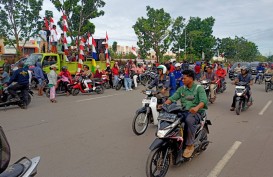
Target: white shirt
<point>43,35</point>
<point>54,36</point>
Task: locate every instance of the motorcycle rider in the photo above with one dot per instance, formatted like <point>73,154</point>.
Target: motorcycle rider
<point>87,74</point>
<point>194,99</point>
<point>178,75</point>
<point>4,78</point>
<point>21,77</point>
<point>260,67</point>
<point>237,69</point>
<point>65,78</point>
<point>163,79</point>
<point>221,74</point>
<point>270,71</point>
<point>243,77</point>
<point>210,75</point>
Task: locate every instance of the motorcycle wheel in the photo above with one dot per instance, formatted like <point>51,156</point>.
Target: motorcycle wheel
<point>156,166</point>
<point>99,90</point>
<point>118,86</point>
<point>267,85</point>
<point>33,84</point>
<point>75,92</point>
<point>106,85</point>
<point>138,125</point>
<point>144,80</point>
<point>238,107</point>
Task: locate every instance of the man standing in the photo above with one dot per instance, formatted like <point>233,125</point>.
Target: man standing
<point>6,66</point>
<point>54,39</point>
<point>43,40</point>
<point>38,73</point>
<point>194,99</point>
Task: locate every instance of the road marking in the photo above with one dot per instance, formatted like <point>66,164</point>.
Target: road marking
<point>221,164</point>
<point>265,107</point>
<point>98,97</point>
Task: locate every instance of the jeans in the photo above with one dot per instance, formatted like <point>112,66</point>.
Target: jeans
<point>128,83</point>
<point>191,122</point>
<point>115,80</point>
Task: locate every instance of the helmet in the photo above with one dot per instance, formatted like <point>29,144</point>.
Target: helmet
<point>164,69</point>
<point>64,68</point>
<point>177,65</point>
<point>244,68</point>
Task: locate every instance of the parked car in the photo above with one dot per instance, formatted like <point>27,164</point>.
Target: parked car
<point>231,71</point>
<point>253,66</point>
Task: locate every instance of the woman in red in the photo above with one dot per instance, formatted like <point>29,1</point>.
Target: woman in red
<point>197,70</point>
<point>115,71</point>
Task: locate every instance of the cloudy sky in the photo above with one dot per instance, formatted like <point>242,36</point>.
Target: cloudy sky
<point>251,19</point>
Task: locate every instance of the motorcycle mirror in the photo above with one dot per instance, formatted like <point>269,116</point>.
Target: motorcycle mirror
<point>4,150</point>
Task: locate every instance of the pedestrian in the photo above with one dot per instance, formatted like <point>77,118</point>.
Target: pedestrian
<point>7,66</point>
<point>39,75</point>
<point>52,82</point>
<point>54,40</point>
<point>115,71</point>
<point>127,78</point>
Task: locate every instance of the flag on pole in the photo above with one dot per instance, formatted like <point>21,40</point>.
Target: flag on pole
<point>134,51</point>
<point>65,29</point>
<point>106,50</point>
<point>94,55</point>
<point>81,55</point>
<point>46,23</point>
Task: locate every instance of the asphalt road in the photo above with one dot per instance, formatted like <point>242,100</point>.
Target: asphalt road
<point>91,136</point>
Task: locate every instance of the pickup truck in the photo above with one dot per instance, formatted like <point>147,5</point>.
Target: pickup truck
<point>47,59</point>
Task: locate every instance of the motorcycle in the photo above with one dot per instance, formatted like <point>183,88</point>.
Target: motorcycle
<point>121,82</point>
<point>24,167</point>
<point>60,90</point>
<point>148,113</point>
<point>221,85</point>
<point>94,86</point>
<point>241,97</point>
<point>206,85</point>
<point>268,83</point>
<point>169,145</point>
<point>6,98</point>
<point>260,76</point>
<point>105,82</point>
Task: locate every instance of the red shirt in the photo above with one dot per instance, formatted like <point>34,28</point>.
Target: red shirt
<point>115,71</point>
<point>172,68</point>
<point>197,69</point>
<point>221,73</point>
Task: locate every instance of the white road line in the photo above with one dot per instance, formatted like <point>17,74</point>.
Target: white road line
<point>221,164</point>
<point>265,107</point>
<point>98,97</point>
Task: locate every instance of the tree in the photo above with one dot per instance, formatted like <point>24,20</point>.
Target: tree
<point>114,46</point>
<point>153,32</point>
<point>199,37</point>
<point>19,20</point>
<point>177,36</point>
<point>78,13</point>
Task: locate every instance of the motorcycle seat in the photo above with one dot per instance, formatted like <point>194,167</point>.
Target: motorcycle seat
<point>13,171</point>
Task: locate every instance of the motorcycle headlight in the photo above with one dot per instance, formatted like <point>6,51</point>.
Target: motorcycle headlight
<point>162,133</point>
<point>239,94</point>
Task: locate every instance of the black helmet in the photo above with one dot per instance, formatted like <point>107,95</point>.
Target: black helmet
<point>245,68</point>
<point>64,68</point>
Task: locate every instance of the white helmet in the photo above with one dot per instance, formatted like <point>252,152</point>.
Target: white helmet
<point>163,67</point>
<point>177,65</point>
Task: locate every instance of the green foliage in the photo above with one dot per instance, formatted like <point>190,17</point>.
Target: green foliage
<point>153,32</point>
<point>199,38</point>
<point>114,46</point>
<point>79,12</point>
<point>19,20</point>
<point>238,49</point>
<point>270,58</point>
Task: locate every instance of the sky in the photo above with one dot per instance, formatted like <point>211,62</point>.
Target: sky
<point>251,19</point>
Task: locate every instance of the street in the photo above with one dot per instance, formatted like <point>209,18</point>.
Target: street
<point>91,136</point>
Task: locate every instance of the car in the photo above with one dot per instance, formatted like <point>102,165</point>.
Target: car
<point>253,66</point>
<point>231,71</point>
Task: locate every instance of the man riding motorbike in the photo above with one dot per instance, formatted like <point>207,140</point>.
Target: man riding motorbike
<point>260,67</point>
<point>210,75</point>
<point>4,78</point>
<point>194,99</point>
<point>237,69</point>
<point>221,73</point>
<point>270,71</point>
<point>65,78</point>
<point>21,77</point>
<point>163,79</point>
<point>178,75</point>
<point>243,77</point>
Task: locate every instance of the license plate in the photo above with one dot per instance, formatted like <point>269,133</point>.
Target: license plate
<point>145,101</point>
